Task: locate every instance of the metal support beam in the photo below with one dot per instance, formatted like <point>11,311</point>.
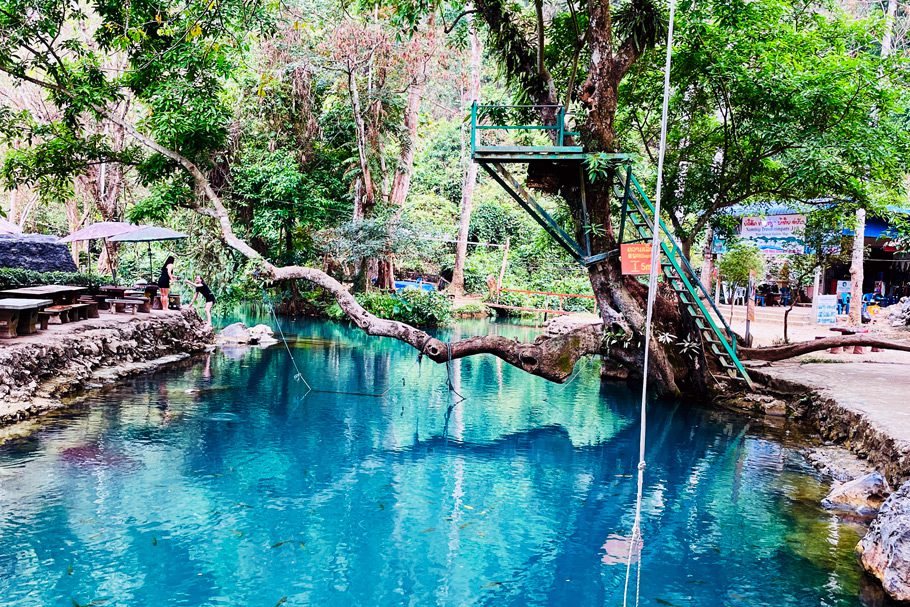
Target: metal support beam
<point>625,201</point>
<point>511,185</point>
<point>585,218</point>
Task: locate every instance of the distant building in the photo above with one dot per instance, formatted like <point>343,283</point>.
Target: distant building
<point>776,230</point>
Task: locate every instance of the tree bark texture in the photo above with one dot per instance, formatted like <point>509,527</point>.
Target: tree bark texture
<point>856,269</point>
<point>471,95</point>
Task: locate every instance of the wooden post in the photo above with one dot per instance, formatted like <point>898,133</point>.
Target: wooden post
<point>750,307</point>
<point>505,262</point>
<point>816,291</point>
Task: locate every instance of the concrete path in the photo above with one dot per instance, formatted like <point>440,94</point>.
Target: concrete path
<point>105,318</point>
<point>879,391</point>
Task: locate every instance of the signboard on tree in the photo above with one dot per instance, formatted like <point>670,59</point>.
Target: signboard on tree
<point>635,258</point>
<point>776,234</point>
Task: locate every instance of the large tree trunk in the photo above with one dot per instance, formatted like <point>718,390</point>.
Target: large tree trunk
<point>401,184</point>
<point>471,95</point>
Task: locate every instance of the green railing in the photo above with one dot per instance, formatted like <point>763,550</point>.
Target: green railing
<point>480,112</point>
<point>678,250</point>
<point>674,255</point>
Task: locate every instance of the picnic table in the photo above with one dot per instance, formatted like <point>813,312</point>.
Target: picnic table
<point>59,294</point>
<point>113,291</point>
<point>20,315</point>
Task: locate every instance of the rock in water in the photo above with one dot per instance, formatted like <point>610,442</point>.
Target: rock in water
<point>885,550</point>
<point>263,335</point>
<point>235,333</point>
<point>238,333</point>
<point>863,495</point>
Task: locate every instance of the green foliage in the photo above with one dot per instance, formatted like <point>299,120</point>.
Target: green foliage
<point>438,166</point>
<point>642,21</point>
<point>413,306</point>
<point>774,100</point>
<point>493,220</point>
<point>738,261</point>
<point>14,278</point>
<point>470,309</point>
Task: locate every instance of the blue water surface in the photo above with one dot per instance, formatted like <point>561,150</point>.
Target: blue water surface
<point>226,482</point>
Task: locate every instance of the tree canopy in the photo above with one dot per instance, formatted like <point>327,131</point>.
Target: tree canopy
<point>325,141</point>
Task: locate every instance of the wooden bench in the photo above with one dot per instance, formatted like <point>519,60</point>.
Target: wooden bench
<point>93,305</point>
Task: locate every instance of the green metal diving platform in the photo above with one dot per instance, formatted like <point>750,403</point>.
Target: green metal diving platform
<point>484,120</point>
<point>555,143</point>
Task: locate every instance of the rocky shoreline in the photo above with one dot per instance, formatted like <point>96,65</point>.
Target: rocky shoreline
<point>38,375</point>
<point>865,461</point>
<point>833,422</point>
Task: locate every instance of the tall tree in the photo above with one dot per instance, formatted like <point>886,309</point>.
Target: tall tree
<point>859,230</point>
<point>772,104</point>
<point>470,95</point>
<point>179,62</point>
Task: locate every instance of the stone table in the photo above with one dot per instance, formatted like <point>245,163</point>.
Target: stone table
<point>20,315</point>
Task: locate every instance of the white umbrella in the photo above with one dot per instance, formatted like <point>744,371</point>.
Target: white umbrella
<point>149,234</point>
<point>8,227</point>
<point>101,229</point>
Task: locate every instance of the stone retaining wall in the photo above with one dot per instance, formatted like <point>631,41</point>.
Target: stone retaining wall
<point>36,374</point>
<point>842,426</point>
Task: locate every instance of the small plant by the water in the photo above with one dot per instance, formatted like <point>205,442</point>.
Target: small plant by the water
<point>412,306</point>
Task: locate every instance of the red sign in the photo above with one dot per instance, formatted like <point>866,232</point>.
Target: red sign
<point>635,258</point>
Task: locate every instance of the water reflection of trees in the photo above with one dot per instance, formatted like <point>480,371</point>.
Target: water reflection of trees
<point>338,498</point>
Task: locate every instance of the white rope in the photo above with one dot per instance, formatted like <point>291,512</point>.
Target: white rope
<point>299,376</point>
<point>636,541</point>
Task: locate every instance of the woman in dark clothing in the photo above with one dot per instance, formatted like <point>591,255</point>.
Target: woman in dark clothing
<point>206,293</point>
<point>164,280</point>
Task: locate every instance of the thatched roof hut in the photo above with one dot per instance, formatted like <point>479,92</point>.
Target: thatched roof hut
<point>35,252</point>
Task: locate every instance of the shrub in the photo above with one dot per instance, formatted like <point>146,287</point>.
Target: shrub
<point>14,278</point>
<point>470,308</point>
<point>740,259</point>
<point>412,306</point>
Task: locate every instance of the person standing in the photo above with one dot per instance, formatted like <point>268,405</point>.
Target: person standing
<point>204,290</point>
<point>164,281</point>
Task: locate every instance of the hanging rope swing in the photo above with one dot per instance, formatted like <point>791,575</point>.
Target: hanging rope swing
<point>298,374</point>
<point>636,542</point>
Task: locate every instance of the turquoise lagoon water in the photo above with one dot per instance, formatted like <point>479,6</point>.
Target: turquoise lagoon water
<point>225,483</point>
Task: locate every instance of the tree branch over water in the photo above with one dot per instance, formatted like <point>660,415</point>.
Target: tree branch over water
<point>775,353</point>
